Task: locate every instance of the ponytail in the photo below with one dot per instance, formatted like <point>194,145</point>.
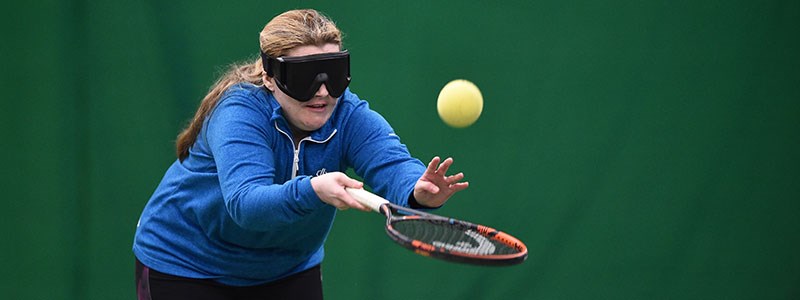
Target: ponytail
<point>251,73</point>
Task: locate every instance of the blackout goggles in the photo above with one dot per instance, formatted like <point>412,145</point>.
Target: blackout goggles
<point>301,76</point>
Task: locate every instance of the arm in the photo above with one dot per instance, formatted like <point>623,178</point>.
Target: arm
<point>385,163</point>
<point>377,154</point>
<point>238,134</point>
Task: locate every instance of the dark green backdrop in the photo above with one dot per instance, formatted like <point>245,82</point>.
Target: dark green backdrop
<point>641,149</point>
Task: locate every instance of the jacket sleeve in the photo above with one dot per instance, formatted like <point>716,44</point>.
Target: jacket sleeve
<point>377,155</point>
<point>238,133</point>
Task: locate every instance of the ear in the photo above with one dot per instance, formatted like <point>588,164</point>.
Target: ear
<point>269,83</point>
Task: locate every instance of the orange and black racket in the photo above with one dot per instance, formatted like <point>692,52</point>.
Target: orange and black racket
<point>445,238</point>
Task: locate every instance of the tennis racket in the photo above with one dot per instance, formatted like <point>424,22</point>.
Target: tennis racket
<point>444,238</point>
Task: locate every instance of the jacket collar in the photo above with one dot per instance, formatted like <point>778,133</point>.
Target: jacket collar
<point>320,135</point>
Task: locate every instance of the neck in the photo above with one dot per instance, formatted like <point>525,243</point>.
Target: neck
<point>298,134</point>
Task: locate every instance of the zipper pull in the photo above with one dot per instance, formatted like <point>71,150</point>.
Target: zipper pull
<point>296,165</point>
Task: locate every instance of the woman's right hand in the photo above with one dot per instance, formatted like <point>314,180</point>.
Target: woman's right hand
<point>330,188</point>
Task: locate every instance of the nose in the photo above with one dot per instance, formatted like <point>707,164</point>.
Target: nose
<point>323,89</point>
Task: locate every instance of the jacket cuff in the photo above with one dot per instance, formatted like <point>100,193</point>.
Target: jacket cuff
<point>412,203</point>
<point>309,200</point>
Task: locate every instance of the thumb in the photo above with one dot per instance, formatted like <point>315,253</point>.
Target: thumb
<point>429,188</point>
<point>352,183</point>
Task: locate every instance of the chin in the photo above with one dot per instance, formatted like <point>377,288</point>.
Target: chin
<point>314,126</point>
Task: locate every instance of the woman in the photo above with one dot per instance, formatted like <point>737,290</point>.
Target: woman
<point>245,209</point>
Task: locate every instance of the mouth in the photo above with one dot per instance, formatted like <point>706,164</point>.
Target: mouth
<point>320,106</point>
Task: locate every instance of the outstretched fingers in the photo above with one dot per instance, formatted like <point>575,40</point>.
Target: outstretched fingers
<point>454,178</point>
<point>433,166</point>
<point>436,182</point>
<point>444,166</point>
<point>460,186</point>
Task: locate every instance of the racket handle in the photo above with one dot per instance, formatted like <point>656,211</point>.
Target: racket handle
<point>369,199</point>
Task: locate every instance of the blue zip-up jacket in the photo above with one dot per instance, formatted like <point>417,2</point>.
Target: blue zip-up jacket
<point>240,208</point>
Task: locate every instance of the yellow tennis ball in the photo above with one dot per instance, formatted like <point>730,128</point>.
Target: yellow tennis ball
<point>460,103</point>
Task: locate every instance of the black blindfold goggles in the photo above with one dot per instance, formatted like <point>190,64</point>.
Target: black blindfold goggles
<point>301,76</point>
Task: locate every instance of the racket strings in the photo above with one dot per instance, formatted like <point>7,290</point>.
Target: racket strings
<point>452,236</point>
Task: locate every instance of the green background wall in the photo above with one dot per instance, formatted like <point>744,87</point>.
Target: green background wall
<point>641,149</point>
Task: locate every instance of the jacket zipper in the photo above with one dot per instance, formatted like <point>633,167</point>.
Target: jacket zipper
<point>296,160</point>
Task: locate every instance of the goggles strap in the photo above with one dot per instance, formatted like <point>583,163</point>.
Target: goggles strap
<point>265,62</point>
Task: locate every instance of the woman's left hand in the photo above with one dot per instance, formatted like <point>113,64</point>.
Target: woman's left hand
<point>434,187</point>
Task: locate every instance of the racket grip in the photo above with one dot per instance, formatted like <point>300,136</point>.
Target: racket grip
<point>371,200</point>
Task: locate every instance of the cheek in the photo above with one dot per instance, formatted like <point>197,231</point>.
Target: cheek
<point>292,110</point>
<point>287,104</point>
<point>284,100</point>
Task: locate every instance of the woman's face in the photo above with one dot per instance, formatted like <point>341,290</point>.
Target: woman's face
<point>306,116</point>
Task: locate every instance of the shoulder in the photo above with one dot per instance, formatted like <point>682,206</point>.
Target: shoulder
<point>246,95</point>
<point>354,108</point>
<point>350,102</point>
<point>239,105</point>
<point>355,116</point>
<point>244,90</point>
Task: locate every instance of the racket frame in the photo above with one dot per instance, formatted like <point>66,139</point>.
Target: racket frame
<point>395,213</point>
